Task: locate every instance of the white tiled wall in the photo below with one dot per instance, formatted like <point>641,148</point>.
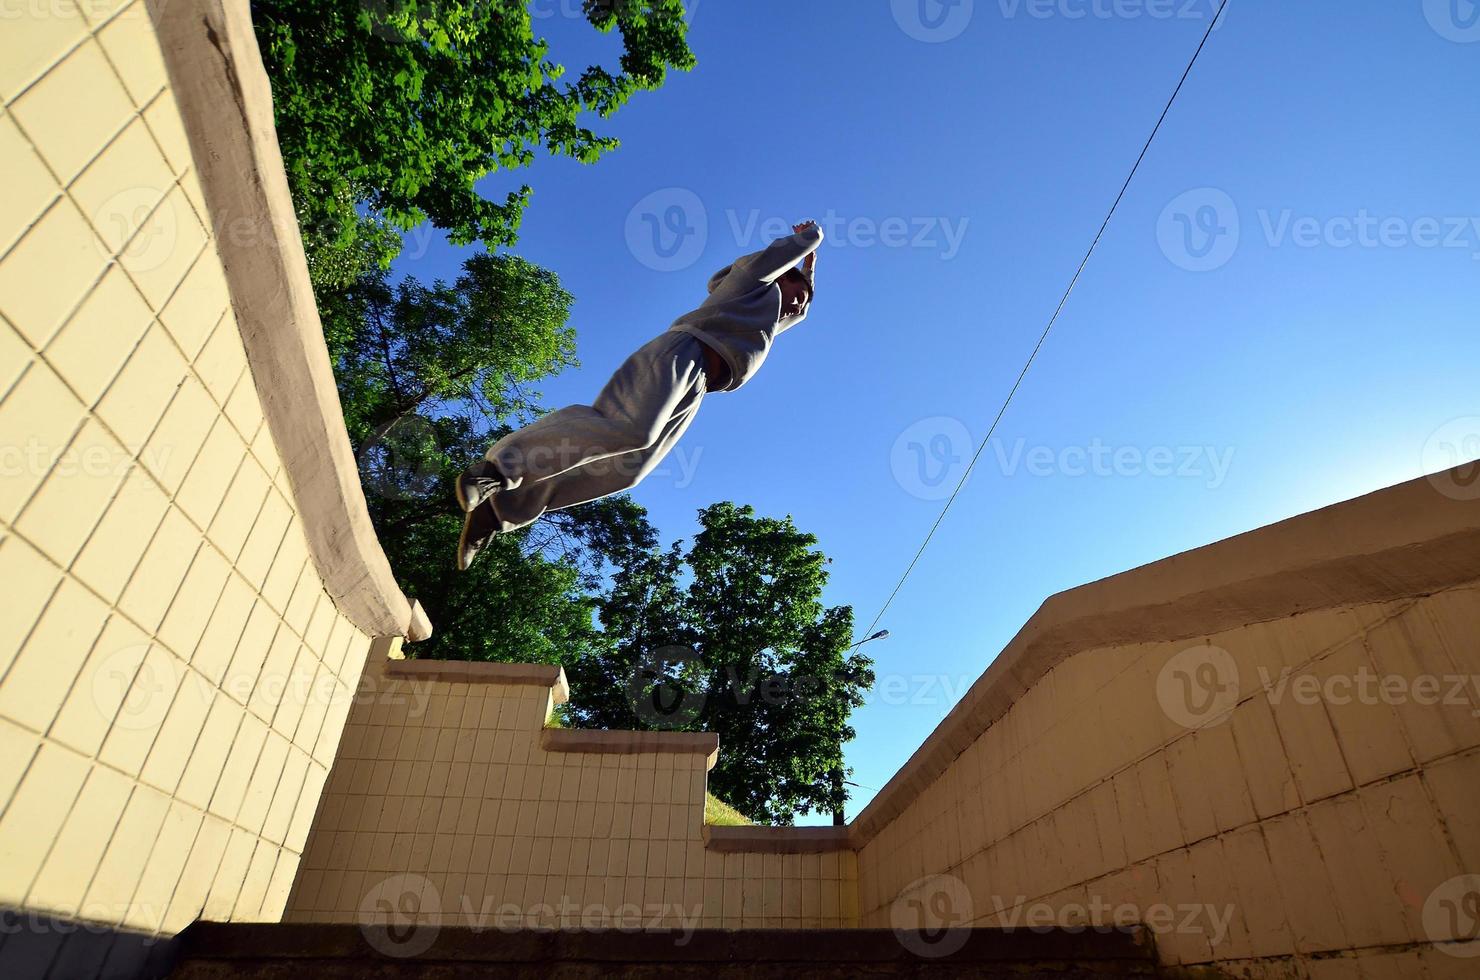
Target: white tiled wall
<point>173,677</point>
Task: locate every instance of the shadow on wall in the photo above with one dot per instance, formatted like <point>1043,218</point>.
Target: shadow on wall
<point>35,945</point>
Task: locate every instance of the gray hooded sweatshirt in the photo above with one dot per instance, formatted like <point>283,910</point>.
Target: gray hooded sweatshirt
<point>742,315</point>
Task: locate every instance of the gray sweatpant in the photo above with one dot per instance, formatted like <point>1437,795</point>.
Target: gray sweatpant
<point>586,452</point>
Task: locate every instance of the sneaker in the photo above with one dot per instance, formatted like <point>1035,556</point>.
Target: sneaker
<point>479,528</point>
<point>476,484</point>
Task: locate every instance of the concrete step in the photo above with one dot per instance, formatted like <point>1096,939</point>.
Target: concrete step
<point>279,951</point>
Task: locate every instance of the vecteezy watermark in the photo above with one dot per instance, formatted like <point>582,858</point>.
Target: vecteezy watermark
<point>1451,916</point>
<point>1454,20</point>
<point>1198,687</point>
<point>402,460</point>
<point>932,916</point>
<point>671,685</point>
<point>95,10</point>
<point>918,689</point>
<point>403,23</point>
<point>402,915</point>
<point>669,230</point>
<point>580,9</point>
<point>1208,463</point>
<point>1201,230</point>
<point>35,458</point>
<point>1366,686</point>
<point>143,223</point>
<point>1099,915</point>
<point>931,456</point>
<point>1451,458</point>
<point>135,686</point>
<point>935,233</point>
<point>568,915</point>
<point>933,21</point>
<point>566,454</point>
<point>90,918</point>
<point>662,692</point>
<point>1110,9</point>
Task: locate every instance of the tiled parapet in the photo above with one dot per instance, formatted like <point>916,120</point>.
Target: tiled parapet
<point>1270,746</point>
<point>450,796</point>
<point>175,669</point>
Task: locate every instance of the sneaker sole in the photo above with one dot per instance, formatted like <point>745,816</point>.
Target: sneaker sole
<point>462,500</point>
<point>462,542</point>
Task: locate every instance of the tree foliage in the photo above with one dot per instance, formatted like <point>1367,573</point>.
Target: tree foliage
<point>731,636</point>
<point>388,112</point>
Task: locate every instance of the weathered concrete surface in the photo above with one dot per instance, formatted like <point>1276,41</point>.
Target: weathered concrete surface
<point>212,951</point>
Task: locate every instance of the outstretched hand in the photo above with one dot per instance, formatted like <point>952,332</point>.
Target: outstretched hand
<point>810,261</point>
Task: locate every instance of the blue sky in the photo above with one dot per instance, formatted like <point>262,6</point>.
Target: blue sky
<point>1281,316</point>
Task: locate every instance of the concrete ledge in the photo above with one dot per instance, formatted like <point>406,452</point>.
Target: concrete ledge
<point>1406,541</point>
<point>600,740</point>
<point>777,840</point>
<point>281,950</point>
<point>225,100</point>
<point>478,672</point>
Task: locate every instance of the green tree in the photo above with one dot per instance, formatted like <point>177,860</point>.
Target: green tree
<point>731,636</point>
<point>434,374</point>
<point>388,112</point>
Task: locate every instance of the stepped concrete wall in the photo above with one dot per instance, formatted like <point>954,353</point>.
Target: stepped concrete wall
<point>189,593</point>
<point>452,804</point>
<point>1266,750</point>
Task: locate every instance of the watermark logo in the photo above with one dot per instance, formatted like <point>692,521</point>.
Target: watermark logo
<point>398,917</point>
<point>1099,915</point>
<point>1366,686</point>
<point>400,22</point>
<point>933,21</point>
<point>668,229</point>
<point>937,233</point>
<point>895,690</point>
<point>931,918</point>
<point>1199,230</point>
<point>402,460</point>
<point>1100,459</point>
<point>1451,457</point>
<point>144,221</point>
<point>657,691</point>
<point>1112,9</point>
<point>1454,20</point>
<point>930,457</point>
<point>135,686</point>
<point>1198,687</point>
<point>1451,916</point>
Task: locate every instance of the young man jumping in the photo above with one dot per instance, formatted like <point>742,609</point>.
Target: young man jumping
<point>586,452</point>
